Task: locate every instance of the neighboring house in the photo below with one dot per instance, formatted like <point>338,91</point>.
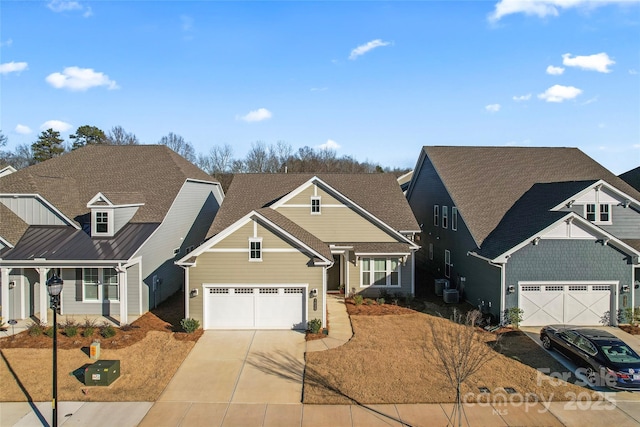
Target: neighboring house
<point>548,230</point>
<point>282,241</point>
<point>632,178</point>
<point>405,180</point>
<point>6,170</point>
<point>110,221</point>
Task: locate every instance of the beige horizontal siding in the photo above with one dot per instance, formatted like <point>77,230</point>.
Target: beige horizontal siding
<point>240,238</point>
<point>337,225</point>
<point>304,198</point>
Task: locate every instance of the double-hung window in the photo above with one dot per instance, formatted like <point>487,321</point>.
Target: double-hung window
<point>380,272</point>
<point>255,249</point>
<point>445,217</point>
<point>100,284</point>
<point>436,215</point>
<point>315,205</point>
<point>447,263</point>
<point>600,213</point>
<point>454,219</point>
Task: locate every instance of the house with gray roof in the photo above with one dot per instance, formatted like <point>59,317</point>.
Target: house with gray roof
<point>546,230</point>
<point>281,242</point>
<point>110,221</point>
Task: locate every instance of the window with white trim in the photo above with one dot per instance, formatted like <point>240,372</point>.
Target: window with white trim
<point>454,219</point>
<point>255,249</point>
<point>380,272</point>
<point>599,213</point>
<point>447,263</point>
<point>315,205</point>
<point>436,215</point>
<point>445,216</point>
<point>102,223</point>
<point>100,284</point>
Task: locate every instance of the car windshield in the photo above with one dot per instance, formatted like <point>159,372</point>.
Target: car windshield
<point>620,353</point>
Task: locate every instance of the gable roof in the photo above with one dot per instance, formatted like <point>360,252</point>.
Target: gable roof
<point>379,194</point>
<point>632,178</point>
<point>149,174</point>
<point>11,226</point>
<point>485,182</point>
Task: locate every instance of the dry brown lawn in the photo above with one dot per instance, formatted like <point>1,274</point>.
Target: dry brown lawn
<point>150,352</point>
<point>386,362</point>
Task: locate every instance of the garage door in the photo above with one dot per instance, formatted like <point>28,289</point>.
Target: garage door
<point>573,304</point>
<point>255,307</point>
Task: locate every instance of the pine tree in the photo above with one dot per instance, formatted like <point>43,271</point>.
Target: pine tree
<point>48,145</point>
<point>86,135</point>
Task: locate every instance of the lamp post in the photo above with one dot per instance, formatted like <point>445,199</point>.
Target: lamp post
<point>54,287</point>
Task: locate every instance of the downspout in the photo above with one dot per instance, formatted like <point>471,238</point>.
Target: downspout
<point>324,298</point>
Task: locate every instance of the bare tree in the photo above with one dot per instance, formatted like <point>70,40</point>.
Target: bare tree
<point>118,136</point>
<point>179,145</point>
<point>221,158</point>
<point>459,351</point>
<point>256,160</point>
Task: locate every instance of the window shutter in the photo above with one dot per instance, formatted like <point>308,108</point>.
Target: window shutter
<point>78,284</point>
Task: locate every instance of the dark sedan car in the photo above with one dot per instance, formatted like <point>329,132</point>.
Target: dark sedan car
<point>603,358</point>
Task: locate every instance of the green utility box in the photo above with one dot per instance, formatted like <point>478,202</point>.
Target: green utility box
<point>103,372</point>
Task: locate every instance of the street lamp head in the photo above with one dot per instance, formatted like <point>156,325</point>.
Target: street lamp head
<point>54,285</point>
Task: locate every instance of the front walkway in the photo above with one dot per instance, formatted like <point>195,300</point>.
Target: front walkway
<point>340,330</point>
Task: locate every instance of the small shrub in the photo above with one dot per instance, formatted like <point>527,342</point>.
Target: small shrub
<point>368,301</point>
<point>189,325</point>
<point>626,315</point>
<point>358,299</point>
<point>513,316</point>
<point>71,330</point>
<point>49,331</point>
<point>380,301</point>
<point>385,295</point>
<point>88,331</point>
<point>314,326</point>
<point>126,327</point>
<point>2,325</point>
<point>35,329</point>
<point>107,330</point>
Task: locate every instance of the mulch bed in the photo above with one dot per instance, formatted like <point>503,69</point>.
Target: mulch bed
<point>373,309</point>
<point>630,329</point>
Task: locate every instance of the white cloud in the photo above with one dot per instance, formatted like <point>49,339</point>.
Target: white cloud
<point>75,78</point>
<point>522,97</point>
<point>492,108</point>
<point>544,8</point>
<point>63,6</point>
<point>13,67</point>
<point>364,48</point>
<point>257,115</point>
<point>56,125</point>
<point>599,62</point>
<point>559,93</point>
<point>633,72</point>
<point>554,71</point>
<point>8,43</point>
<point>186,22</point>
<point>22,129</point>
<point>329,145</point>
<point>590,101</point>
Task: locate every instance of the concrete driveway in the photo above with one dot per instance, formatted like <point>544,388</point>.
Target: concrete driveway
<point>241,367</point>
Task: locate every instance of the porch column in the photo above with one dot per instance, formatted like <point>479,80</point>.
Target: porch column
<point>122,282</point>
<point>44,295</point>
<point>6,307</point>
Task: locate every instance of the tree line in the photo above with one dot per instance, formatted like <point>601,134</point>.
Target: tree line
<point>219,161</point>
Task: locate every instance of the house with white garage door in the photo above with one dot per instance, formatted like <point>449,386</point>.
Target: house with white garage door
<point>548,230</point>
<point>280,242</point>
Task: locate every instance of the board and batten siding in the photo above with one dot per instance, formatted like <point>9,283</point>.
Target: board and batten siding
<point>186,224</point>
<point>234,268</point>
<point>32,211</point>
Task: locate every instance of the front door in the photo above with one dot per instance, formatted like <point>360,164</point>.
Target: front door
<point>333,275</point>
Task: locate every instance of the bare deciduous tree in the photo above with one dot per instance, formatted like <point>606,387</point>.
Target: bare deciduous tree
<point>459,351</point>
<point>118,136</point>
<point>179,145</point>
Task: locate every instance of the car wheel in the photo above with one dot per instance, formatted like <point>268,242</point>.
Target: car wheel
<point>546,343</point>
<point>591,375</point>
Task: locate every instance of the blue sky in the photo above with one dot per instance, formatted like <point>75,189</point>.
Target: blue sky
<point>374,80</point>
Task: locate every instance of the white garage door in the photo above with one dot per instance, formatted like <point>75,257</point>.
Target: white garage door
<point>572,304</point>
<point>255,307</point>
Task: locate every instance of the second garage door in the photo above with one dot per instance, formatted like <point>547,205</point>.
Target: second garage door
<point>573,304</point>
<point>255,307</point>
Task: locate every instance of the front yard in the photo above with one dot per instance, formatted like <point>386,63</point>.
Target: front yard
<point>149,352</point>
<point>387,361</point>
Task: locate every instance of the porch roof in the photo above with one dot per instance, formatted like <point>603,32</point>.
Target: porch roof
<point>381,248</point>
<point>62,243</point>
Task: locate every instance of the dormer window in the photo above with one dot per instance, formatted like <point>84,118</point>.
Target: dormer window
<point>315,205</point>
<point>102,223</point>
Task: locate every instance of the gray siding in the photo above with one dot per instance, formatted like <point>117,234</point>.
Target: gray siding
<point>72,298</point>
<point>121,217</point>
<point>186,224</point>
<point>567,260</point>
<point>626,223</point>
<point>133,290</point>
<point>32,211</point>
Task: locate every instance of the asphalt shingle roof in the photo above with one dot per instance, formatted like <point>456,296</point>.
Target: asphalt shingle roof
<point>379,194</point>
<point>485,182</point>
<point>632,178</point>
<point>11,226</point>
<point>149,174</point>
